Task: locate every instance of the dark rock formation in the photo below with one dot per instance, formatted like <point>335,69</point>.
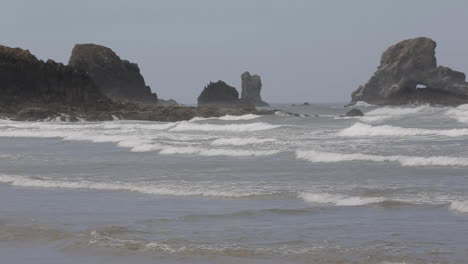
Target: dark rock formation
<point>220,95</point>
<point>118,79</point>
<point>168,102</point>
<point>251,87</point>
<point>408,73</point>
<point>31,89</point>
<point>354,112</point>
<point>25,79</point>
<point>306,103</point>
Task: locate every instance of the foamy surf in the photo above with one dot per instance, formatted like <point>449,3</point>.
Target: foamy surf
<point>227,118</point>
<point>391,112</point>
<point>399,111</point>
<point>361,130</point>
<point>460,206</point>
<point>241,141</point>
<point>175,188</point>
<point>338,200</point>
<point>173,150</point>
<point>250,127</point>
<point>409,161</point>
<point>459,113</point>
<point>362,104</point>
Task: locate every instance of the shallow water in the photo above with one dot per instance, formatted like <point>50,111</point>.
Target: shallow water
<point>389,187</point>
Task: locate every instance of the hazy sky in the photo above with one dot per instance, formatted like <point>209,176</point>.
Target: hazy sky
<point>317,51</point>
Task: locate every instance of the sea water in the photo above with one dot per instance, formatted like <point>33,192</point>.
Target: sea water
<point>390,187</point>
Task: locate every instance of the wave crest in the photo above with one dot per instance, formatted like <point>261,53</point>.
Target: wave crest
<point>410,161</point>
<point>207,189</point>
<point>339,200</point>
<point>241,141</point>
<point>460,206</point>
<point>361,130</point>
<point>187,126</point>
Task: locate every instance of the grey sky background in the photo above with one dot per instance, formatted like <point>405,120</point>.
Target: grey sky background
<point>304,50</point>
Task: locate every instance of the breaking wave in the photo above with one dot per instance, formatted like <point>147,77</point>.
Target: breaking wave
<point>363,104</point>
<point>398,111</point>
<point>187,126</point>
<point>410,161</point>
<point>176,188</point>
<point>360,130</point>
<point>339,200</point>
<point>241,141</point>
<point>227,118</point>
<point>460,206</point>
<point>459,113</point>
<point>172,150</point>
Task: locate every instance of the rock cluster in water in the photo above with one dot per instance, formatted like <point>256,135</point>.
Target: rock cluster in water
<point>118,79</point>
<point>31,89</point>
<point>408,73</point>
<point>354,112</point>
<point>220,95</point>
<point>251,88</point>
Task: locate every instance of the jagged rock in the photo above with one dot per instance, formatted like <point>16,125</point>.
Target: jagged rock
<point>354,112</point>
<point>33,113</point>
<point>221,95</point>
<point>408,73</point>
<point>118,79</point>
<point>168,102</point>
<point>251,88</point>
<point>26,80</point>
<point>31,89</point>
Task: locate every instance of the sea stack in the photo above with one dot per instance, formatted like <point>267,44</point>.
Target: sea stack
<point>26,82</point>
<point>118,79</point>
<point>408,74</point>
<point>251,88</point>
<point>221,95</point>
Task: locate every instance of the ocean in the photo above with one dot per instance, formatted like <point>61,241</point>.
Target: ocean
<point>387,188</point>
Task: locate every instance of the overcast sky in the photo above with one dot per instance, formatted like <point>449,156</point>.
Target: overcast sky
<point>304,50</point>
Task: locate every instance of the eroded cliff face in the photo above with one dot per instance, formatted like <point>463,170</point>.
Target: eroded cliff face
<point>26,80</point>
<point>118,79</point>
<point>221,95</point>
<point>408,73</point>
<point>31,89</point>
<point>251,88</point>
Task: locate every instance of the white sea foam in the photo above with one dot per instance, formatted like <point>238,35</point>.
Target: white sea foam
<point>459,113</point>
<point>363,104</point>
<point>227,118</point>
<point>460,206</point>
<point>360,130</point>
<point>388,112</point>
<point>242,117</point>
<point>410,161</point>
<point>9,156</point>
<point>189,150</point>
<point>241,141</point>
<point>209,189</point>
<point>187,126</point>
<point>338,199</point>
<point>399,111</point>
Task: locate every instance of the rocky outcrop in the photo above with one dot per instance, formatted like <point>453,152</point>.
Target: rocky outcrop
<point>251,88</point>
<point>118,79</point>
<point>354,112</point>
<point>221,95</point>
<point>408,73</point>
<point>31,89</point>
<point>168,102</point>
<point>26,80</point>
